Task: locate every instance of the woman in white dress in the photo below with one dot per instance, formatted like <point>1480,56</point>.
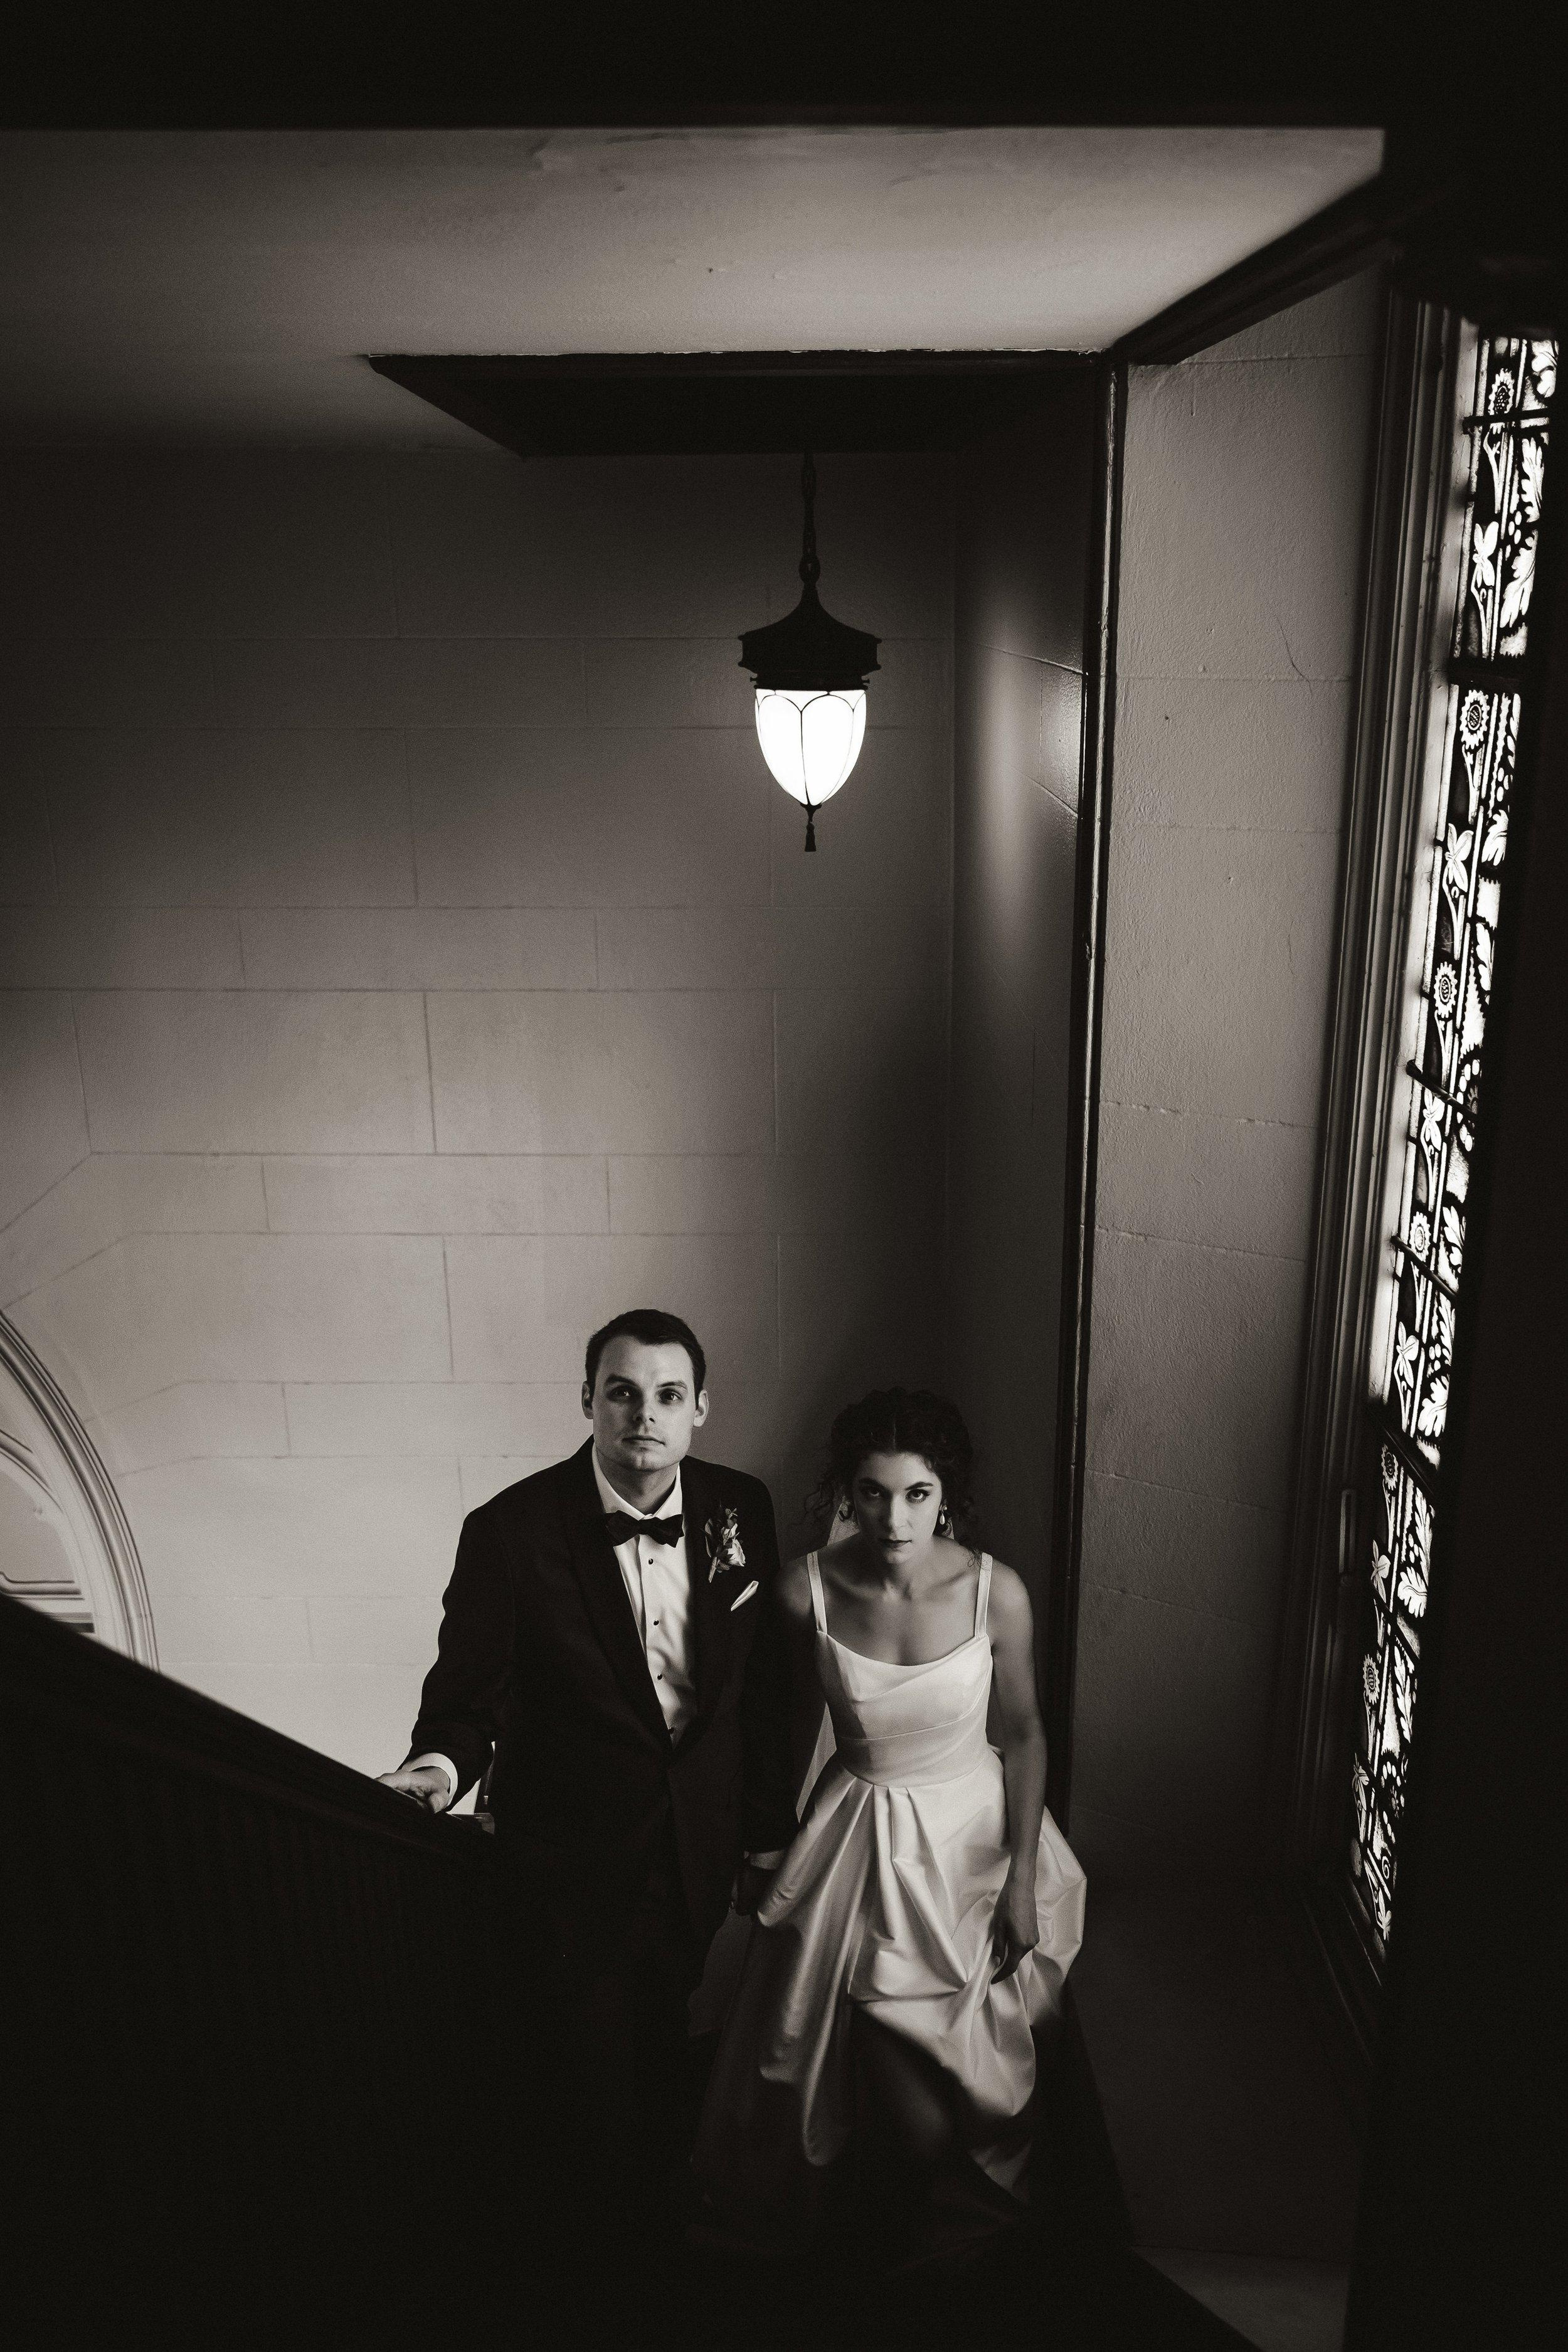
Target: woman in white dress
<point>921,1922</point>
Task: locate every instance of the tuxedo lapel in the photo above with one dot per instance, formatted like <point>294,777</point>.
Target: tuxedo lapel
<point>604,1594</point>
<point>711,1595</point>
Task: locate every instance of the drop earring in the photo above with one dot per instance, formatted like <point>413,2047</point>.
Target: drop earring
<point>944,1521</point>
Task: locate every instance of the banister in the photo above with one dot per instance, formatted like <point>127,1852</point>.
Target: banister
<point>254,2002</point>
<point>51,1672</point>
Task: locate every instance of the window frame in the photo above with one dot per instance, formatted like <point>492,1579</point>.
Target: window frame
<point>1411,582</point>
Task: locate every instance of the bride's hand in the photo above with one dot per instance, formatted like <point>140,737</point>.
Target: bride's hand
<point>751,1883</point>
<point>1017,1925</point>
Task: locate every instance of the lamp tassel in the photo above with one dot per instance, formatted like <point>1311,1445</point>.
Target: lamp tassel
<point>810,827</point>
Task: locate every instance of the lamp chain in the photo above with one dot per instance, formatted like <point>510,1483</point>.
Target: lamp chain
<point>810,569</point>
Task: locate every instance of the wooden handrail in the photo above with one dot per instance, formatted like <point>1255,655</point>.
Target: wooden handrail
<point>51,1672</point>
<point>253,1997</point>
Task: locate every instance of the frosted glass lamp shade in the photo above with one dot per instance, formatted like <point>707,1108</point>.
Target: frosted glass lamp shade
<point>811,737</point>
<point>810,673</point>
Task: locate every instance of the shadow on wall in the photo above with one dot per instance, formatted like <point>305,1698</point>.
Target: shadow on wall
<point>408,962</point>
<point>1018,630</point>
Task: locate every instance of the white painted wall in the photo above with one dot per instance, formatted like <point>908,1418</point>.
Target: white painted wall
<point>405,962</point>
<point>1246,494</point>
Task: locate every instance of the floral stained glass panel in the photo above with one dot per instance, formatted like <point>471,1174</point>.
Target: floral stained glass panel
<point>1401,1564</point>
<point>1477,711</point>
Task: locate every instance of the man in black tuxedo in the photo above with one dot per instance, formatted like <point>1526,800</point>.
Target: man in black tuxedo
<point>595,1645</point>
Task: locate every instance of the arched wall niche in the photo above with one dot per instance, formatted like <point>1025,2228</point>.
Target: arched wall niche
<point>65,1545</point>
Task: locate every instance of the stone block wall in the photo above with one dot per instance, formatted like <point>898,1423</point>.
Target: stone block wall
<point>407,961</point>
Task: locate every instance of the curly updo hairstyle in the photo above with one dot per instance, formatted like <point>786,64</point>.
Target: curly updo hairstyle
<point>901,1421</point>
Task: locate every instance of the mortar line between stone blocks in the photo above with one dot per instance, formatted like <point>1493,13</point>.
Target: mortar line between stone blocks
<point>408,814</point>
<point>28,1206</point>
<point>362,988</point>
<point>253,1151</point>
<point>177,1461</point>
<point>384,468</point>
<point>359,906</point>
<point>49,845</point>
<point>80,1075</point>
<point>167,1388</point>
<point>447,1289</point>
<point>22,1296</point>
<point>429,1069</point>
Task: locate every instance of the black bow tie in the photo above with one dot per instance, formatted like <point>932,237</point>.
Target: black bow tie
<point>622,1527</point>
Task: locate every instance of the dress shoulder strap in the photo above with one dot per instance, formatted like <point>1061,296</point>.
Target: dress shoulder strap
<point>818,1599</point>
<point>982,1595</point>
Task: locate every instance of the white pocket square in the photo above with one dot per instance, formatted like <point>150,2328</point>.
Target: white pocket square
<point>742,1598</point>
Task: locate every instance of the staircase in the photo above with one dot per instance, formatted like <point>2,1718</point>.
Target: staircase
<point>269,2077</point>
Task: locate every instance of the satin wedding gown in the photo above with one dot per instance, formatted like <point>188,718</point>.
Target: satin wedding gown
<point>886,1901</point>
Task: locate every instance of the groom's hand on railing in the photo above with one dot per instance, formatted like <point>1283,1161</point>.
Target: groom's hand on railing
<point>425,1783</point>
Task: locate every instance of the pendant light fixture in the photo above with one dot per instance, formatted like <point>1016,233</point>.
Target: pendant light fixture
<point>810,672</point>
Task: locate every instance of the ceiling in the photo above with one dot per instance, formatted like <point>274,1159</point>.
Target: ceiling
<point>226,286</point>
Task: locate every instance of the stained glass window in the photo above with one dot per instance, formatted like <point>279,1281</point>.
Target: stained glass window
<point>1500,466</point>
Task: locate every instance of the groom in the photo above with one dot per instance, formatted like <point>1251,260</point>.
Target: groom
<point>595,1645</point>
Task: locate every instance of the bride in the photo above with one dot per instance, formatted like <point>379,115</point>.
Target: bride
<point>921,1921</point>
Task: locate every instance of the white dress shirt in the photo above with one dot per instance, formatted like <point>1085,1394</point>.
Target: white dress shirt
<point>658,1588</point>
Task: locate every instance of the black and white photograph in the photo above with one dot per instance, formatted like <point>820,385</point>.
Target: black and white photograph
<point>783,829</point>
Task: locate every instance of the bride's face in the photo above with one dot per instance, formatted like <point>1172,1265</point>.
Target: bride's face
<point>896,1499</point>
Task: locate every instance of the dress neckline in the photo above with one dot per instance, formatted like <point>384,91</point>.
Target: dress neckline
<point>902,1665</point>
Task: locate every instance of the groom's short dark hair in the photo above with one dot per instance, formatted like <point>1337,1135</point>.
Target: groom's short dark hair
<point>654,1328</point>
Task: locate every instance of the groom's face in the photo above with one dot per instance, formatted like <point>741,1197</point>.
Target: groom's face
<point>645,1406</point>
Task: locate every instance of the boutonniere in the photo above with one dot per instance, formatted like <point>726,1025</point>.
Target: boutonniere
<point>725,1550</point>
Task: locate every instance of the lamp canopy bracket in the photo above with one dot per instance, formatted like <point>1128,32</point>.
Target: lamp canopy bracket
<point>808,649</point>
